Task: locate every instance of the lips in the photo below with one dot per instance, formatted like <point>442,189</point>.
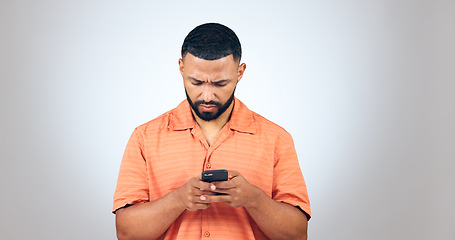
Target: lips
<point>208,108</point>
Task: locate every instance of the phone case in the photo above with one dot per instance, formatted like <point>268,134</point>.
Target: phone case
<point>214,175</point>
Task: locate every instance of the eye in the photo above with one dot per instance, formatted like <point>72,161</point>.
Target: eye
<point>196,83</point>
<point>220,84</point>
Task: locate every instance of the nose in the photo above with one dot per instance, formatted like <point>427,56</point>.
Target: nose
<point>207,93</point>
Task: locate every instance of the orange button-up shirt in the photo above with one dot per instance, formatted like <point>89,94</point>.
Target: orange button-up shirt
<point>163,154</point>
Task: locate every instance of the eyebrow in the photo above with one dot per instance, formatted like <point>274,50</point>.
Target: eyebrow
<point>217,81</point>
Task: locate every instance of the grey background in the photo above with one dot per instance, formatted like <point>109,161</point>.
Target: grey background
<point>366,88</point>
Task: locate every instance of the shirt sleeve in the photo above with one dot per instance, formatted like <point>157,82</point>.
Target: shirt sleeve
<point>132,186</point>
<point>288,184</point>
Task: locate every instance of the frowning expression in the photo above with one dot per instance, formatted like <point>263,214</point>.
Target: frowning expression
<point>210,84</point>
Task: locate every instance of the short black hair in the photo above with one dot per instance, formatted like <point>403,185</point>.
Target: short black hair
<point>211,41</point>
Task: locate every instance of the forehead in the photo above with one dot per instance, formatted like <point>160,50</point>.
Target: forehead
<point>225,64</point>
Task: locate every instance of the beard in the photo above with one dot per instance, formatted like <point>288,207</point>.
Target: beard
<point>209,116</point>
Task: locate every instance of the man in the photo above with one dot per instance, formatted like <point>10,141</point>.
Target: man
<point>159,192</point>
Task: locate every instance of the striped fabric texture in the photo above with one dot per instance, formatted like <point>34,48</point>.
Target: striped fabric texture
<point>166,152</point>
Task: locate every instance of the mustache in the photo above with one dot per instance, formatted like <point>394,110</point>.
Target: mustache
<point>199,102</point>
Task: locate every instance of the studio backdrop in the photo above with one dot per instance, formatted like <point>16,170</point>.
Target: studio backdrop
<point>366,89</point>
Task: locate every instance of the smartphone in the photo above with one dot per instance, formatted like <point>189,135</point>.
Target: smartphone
<point>214,175</point>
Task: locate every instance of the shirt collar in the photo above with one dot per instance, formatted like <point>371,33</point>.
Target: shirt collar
<point>242,119</point>
<point>181,117</point>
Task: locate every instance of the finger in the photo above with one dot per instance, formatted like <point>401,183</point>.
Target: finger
<point>219,198</point>
<point>222,192</point>
<point>196,206</point>
<point>202,199</point>
<point>206,192</point>
<point>201,202</point>
<point>224,186</point>
<point>230,184</point>
<point>232,174</point>
<point>197,183</point>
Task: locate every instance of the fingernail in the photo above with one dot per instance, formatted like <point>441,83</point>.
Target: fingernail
<point>203,198</point>
<point>201,189</point>
<point>213,187</point>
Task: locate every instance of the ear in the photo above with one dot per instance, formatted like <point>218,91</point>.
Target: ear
<point>181,66</point>
<point>240,71</point>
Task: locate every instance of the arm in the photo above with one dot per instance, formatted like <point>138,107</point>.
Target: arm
<point>150,220</point>
<point>147,220</point>
<point>276,219</point>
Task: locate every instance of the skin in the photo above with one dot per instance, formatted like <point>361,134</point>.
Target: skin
<point>211,81</point>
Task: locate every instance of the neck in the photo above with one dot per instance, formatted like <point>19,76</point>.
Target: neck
<point>210,129</point>
<point>216,123</point>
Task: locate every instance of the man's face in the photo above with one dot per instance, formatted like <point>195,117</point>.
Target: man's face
<point>210,85</point>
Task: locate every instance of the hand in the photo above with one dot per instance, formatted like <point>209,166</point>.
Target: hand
<point>192,194</point>
<point>236,192</point>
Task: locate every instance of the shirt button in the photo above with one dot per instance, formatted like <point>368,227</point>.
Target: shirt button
<point>206,234</point>
<point>209,165</point>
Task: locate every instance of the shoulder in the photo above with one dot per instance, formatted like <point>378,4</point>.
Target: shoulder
<point>268,127</point>
<point>155,125</point>
<point>249,120</point>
